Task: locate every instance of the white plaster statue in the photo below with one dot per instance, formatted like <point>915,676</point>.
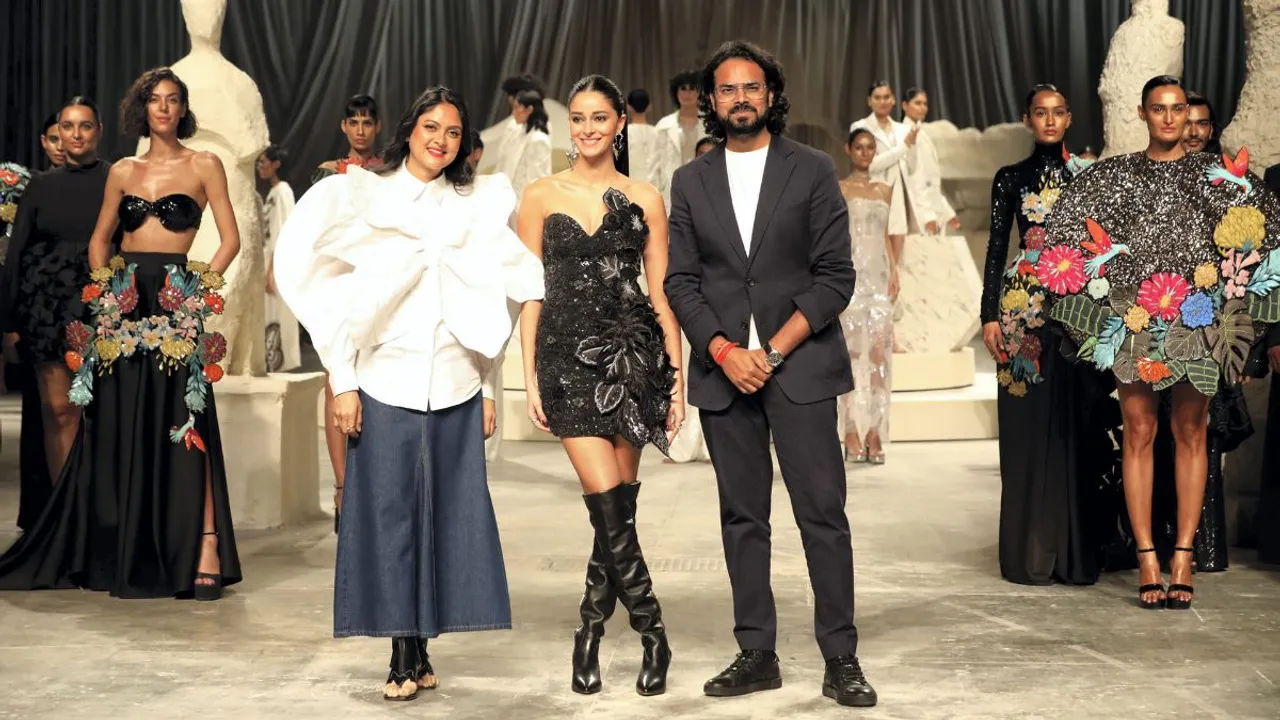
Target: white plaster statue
<point>232,125</point>
<point>1254,124</point>
<point>1148,44</point>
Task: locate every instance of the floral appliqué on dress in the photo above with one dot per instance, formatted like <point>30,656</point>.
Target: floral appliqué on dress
<point>1198,327</point>
<point>189,296</point>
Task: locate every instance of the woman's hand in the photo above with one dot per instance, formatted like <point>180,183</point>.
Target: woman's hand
<point>347,413</point>
<point>994,339</point>
<point>271,280</point>
<point>534,402</point>
<point>895,285</point>
<point>675,413</point>
<point>490,414</point>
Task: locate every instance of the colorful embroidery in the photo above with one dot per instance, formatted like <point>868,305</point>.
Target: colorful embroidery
<point>178,339</point>
<point>1172,328</point>
<point>1021,312</point>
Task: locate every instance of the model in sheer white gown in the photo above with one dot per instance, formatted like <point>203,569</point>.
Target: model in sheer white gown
<point>284,350</point>
<point>868,320</point>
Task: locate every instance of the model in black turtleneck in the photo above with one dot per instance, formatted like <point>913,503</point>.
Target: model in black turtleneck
<point>1059,472</point>
<point>47,263</point>
<point>46,266</point>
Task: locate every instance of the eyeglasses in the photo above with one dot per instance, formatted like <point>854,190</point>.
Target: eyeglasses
<point>753,91</point>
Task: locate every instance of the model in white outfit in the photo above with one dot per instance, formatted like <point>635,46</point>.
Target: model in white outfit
<point>927,171</point>
<point>283,348</point>
<point>648,149</point>
<point>868,320</point>
<point>525,156</point>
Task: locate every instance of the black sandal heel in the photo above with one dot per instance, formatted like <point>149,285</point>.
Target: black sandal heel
<point>206,592</point>
<point>402,681</point>
<point>1175,603</point>
<point>1149,588</point>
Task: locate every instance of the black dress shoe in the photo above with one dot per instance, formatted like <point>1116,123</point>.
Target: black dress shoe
<point>845,683</point>
<point>752,671</point>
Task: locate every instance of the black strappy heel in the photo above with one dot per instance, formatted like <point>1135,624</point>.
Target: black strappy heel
<point>1149,588</point>
<point>1175,603</point>
<point>210,591</point>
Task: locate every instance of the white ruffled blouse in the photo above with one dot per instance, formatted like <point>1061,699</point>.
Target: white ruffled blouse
<point>409,290</point>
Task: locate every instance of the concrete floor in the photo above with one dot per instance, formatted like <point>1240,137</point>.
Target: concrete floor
<point>942,635</point>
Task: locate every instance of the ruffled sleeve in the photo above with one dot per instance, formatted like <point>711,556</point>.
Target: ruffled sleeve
<point>316,285</point>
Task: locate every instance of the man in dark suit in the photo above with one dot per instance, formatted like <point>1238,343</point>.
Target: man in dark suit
<point>759,269</point>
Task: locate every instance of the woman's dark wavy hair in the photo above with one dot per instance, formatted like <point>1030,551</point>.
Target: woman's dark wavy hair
<point>685,78</point>
<point>538,118</point>
<point>459,172</point>
<point>609,89</point>
<point>133,108</point>
<point>775,116</point>
<point>275,153</point>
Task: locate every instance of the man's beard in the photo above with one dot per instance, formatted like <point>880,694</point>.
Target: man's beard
<point>750,129</point>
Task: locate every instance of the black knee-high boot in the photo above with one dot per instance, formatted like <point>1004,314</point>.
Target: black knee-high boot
<point>613,517</point>
<point>598,603</point>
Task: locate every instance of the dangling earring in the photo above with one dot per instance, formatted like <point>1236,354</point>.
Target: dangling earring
<point>617,145</point>
<point>572,154</point>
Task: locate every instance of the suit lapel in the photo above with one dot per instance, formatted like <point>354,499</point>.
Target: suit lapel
<point>715,180</point>
<point>778,167</point>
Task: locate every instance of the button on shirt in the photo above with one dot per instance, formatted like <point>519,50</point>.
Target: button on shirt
<point>746,175</point>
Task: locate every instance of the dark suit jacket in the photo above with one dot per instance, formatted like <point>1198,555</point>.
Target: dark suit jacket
<point>799,258</point>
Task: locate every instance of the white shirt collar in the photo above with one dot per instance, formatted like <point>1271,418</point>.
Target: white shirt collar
<point>413,189</point>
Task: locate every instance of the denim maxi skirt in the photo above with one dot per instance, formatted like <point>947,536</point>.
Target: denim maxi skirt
<point>418,547</point>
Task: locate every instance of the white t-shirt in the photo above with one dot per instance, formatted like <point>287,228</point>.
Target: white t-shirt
<point>746,174</point>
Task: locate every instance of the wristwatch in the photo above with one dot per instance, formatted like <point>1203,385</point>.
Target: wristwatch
<point>773,357</point>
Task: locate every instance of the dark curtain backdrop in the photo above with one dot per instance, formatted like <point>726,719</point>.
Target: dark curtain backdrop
<point>975,57</point>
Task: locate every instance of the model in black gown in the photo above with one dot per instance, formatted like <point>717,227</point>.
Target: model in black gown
<point>1058,463</point>
<point>144,486</point>
<point>45,267</point>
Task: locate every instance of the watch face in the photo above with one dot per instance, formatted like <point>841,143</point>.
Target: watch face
<point>775,358</point>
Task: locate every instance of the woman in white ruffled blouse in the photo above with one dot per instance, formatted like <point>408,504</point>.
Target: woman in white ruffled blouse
<point>403,279</point>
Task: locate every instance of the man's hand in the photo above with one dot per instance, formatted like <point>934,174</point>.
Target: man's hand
<point>748,370</point>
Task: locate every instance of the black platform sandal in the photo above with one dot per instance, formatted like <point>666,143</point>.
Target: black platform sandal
<point>402,681</point>
<point>1176,603</point>
<point>337,508</point>
<point>206,592</point>
<point>1149,588</point>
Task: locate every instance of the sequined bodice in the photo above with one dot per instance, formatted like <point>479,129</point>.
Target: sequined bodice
<point>176,212</point>
<point>868,220</point>
<point>602,268</point>
<point>602,366</point>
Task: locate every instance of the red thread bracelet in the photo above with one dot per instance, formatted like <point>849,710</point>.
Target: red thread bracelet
<point>723,352</point>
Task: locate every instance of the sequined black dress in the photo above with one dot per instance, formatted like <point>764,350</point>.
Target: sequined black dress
<point>1061,498</point>
<point>602,366</point>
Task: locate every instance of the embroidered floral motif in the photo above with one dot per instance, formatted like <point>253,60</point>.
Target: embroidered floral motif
<point>1162,294</point>
<point>1021,312</point>
<point>1061,270</point>
<point>189,296</point>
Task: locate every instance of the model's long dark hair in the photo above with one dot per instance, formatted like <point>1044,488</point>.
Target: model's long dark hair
<point>609,89</point>
<point>459,172</point>
<point>775,116</point>
<point>538,118</point>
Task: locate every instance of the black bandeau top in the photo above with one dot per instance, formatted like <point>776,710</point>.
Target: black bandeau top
<point>177,212</point>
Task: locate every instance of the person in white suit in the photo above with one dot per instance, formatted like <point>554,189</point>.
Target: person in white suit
<point>526,156</point>
<point>682,128</point>
<point>927,171</point>
<point>895,165</point>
